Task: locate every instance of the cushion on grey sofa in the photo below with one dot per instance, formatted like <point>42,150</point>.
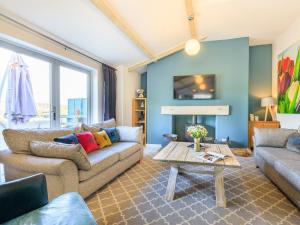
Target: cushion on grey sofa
<point>290,170</point>
<point>97,126</point>
<point>72,152</point>
<point>18,140</point>
<point>293,143</point>
<point>272,137</point>
<point>272,154</point>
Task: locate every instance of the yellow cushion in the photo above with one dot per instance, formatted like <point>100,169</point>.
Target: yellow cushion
<point>102,139</point>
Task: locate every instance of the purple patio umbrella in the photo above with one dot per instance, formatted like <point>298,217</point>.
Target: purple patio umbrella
<point>20,106</point>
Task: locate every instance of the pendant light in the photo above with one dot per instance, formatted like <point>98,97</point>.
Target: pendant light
<point>192,47</point>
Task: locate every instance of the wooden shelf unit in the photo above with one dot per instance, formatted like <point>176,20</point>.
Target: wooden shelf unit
<point>139,115</point>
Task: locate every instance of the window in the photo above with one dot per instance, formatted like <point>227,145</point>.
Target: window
<point>73,101</point>
<point>61,91</point>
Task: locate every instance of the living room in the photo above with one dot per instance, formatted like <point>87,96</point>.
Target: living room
<point>150,112</point>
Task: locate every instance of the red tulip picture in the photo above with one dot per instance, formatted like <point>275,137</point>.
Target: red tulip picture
<point>288,81</point>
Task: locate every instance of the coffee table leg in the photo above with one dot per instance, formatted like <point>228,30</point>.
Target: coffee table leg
<point>171,183</point>
<point>219,187</point>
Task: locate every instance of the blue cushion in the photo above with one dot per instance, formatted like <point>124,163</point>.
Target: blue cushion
<point>293,143</point>
<point>113,134</point>
<point>68,139</point>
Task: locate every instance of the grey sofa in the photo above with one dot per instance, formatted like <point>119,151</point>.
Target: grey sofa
<point>62,175</point>
<point>279,164</point>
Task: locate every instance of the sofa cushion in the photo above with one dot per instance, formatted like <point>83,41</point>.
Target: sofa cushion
<point>67,139</point>
<point>97,126</point>
<point>104,158</point>
<point>100,160</point>
<point>272,137</point>
<point>18,140</point>
<point>130,134</point>
<point>88,142</point>
<point>125,149</point>
<point>293,143</point>
<point>102,139</point>
<point>72,152</point>
<point>290,170</point>
<point>113,134</point>
<point>271,154</point>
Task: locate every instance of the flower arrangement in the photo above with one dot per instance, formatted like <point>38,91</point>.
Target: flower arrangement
<point>197,131</point>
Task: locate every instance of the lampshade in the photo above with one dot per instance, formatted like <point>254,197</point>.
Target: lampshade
<point>192,47</point>
<point>267,101</point>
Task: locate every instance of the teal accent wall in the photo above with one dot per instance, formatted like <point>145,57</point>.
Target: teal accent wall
<point>260,77</point>
<point>144,83</point>
<point>229,61</point>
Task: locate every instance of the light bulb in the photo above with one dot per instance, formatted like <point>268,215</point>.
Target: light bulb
<point>192,47</point>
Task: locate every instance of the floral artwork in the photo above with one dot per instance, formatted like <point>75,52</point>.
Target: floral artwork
<point>288,80</point>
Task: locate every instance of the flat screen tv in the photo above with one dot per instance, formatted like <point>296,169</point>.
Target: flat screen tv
<point>194,87</point>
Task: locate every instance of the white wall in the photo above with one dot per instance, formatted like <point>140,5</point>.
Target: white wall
<point>289,37</point>
<point>127,83</point>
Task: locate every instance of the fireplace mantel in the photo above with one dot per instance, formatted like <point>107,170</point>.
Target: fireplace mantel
<point>216,110</point>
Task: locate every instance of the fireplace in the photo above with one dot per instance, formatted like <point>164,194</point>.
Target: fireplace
<point>183,116</point>
<point>181,123</point>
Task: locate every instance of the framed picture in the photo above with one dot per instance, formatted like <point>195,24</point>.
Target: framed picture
<point>288,91</point>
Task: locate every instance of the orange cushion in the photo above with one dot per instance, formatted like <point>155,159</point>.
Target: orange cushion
<point>102,138</point>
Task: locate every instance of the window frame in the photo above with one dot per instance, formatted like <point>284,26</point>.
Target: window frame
<point>54,79</point>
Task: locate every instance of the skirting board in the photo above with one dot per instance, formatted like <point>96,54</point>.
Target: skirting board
<point>221,110</point>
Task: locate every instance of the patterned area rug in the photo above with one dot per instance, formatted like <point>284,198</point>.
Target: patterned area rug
<point>137,197</point>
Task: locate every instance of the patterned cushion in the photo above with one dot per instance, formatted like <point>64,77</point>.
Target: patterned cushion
<point>88,142</point>
<point>18,141</point>
<point>113,134</point>
<point>102,139</point>
<point>62,151</point>
<point>293,143</point>
<point>68,139</point>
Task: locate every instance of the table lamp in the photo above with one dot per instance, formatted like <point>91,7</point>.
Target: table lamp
<point>268,102</point>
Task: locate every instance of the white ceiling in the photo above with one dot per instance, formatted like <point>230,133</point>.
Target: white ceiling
<point>161,24</point>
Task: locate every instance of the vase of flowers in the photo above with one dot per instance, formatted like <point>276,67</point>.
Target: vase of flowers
<point>197,132</point>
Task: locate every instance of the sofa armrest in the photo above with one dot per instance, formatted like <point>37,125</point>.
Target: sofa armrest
<point>35,164</point>
<point>22,196</point>
<point>61,174</point>
<point>131,134</point>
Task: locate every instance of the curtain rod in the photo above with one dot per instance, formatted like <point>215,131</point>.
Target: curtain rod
<point>53,40</point>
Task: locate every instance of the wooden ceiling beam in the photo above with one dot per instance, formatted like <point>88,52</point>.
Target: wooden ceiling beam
<point>191,18</point>
<point>158,57</point>
<point>112,15</point>
<point>161,55</point>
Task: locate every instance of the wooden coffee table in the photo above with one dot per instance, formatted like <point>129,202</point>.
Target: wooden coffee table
<point>177,154</point>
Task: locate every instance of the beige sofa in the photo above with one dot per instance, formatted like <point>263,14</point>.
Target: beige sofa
<point>63,175</point>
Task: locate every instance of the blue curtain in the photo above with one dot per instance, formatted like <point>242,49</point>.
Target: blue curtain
<point>110,86</point>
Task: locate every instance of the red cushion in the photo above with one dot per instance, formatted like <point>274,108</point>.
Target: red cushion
<point>88,142</point>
